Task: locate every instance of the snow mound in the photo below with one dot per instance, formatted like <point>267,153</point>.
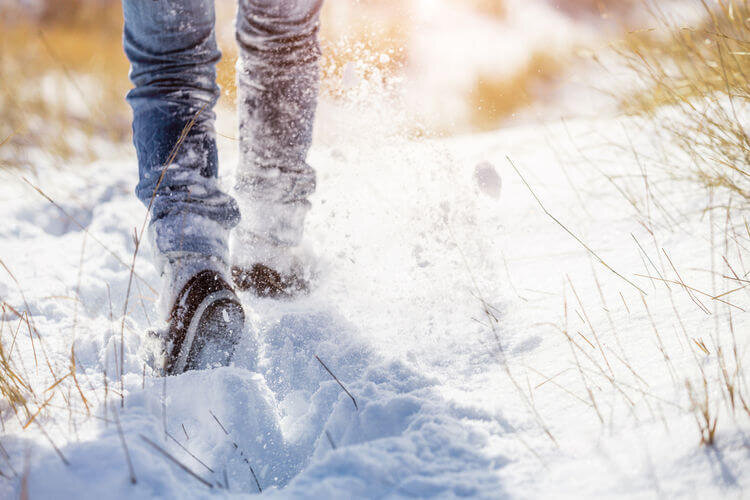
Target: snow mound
<point>290,421</point>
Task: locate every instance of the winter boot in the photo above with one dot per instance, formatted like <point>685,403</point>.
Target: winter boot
<point>272,271</point>
<point>205,323</point>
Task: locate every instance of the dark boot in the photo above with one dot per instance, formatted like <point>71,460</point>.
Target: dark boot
<point>269,283</point>
<point>205,324</point>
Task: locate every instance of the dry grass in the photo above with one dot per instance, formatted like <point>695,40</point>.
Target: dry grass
<point>369,39</point>
<point>491,8</point>
<point>692,105</point>
<point>696,91</point>
<point>13,386</point>
<point>66,87</point>
<point>603,8</point>
<point>63,80</point>
<point>23,352</point>
<point>226,73</point>
<point>702,379</point>
<point>495,98</point>
<point>692,108</point>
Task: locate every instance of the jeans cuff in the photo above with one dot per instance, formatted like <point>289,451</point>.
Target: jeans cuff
<point>187,234</point>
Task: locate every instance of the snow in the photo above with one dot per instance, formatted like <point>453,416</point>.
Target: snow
<point>443,304</point>
<point>411,245</point>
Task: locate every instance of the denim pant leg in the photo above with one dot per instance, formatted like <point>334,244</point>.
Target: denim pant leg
<point>278,87</point>
<point>173,53</point>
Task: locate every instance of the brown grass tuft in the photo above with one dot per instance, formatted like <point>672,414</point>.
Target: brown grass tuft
<point>695,91</point>
<point>491,8</point>
<point>64,77</point>
<point>603,8</point>
<point>494,98</point>
<point>370,37</point>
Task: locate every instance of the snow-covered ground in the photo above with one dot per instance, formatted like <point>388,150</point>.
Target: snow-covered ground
<point>489,353</point>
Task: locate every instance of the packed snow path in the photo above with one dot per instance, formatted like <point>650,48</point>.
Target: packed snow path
<point>439,308</point>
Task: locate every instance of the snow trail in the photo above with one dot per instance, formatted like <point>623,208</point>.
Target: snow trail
<point>411,247</point>
<point>299,431</point>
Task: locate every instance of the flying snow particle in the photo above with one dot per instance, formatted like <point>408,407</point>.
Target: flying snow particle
<point>349,78</point>
<point>488,179</point>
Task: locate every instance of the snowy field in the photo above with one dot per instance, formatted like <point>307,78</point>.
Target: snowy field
<point>542,311</point>
<point>487,352</point>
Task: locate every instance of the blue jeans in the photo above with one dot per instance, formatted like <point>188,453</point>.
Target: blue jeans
<point>173,54</point>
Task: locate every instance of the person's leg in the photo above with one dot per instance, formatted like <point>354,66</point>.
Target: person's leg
<point>278,87</point>
<point>173,52</point>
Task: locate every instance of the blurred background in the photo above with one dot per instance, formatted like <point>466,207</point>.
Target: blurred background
<point>435,67</point>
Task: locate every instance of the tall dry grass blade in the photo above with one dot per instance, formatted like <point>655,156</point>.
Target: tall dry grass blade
<point>75,379</point>
<point>591,327</point>
<point>24,494</point>
<point>571,343</point>
<point>136,241</point>
<point>164,403</point>
<point>29,320</point>
<point>660,343</point>
<point>584,245</point>
<point>131,471</point>
<point>172,459</point>
<point>649,259</point>
<point>602,372</point>
<point>6,457</point>
<point>356,406</point>
<point>693,289</point>
<point>209,469</point>
<point>78,287</point>
<point>551,380</point>
<point>83,228</point>
<point>239,450</point>
<point>54,446</point>
<point>8,138</point>
<point>38,411</point>
<point>330,439</point>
